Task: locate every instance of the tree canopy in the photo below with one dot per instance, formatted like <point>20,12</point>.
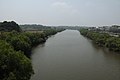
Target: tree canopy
<point>9,26</point>
<point>15,50</point>
<point>14,65</point>
<point>103,39</point>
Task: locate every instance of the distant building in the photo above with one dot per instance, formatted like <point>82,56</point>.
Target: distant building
<point>92,28</point>
<point>115,29</point>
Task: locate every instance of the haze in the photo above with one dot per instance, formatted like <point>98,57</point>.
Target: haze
<point>61,12</point>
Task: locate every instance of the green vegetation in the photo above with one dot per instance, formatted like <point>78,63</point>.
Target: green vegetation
<point>28,27</point>
<point>15,50</point>
<point>9,26</point>
<point>52,31</point>
<point>103,39</point>
<point>23,41</point>
<point>14,65</point>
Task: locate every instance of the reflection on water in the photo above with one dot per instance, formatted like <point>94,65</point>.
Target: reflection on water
<point>70,56</point>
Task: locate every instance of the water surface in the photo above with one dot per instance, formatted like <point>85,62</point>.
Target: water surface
<point>70,56</point>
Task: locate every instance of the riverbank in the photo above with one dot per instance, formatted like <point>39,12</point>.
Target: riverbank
<point>103,39</point>
<point>15,50</point>
<point>15,47</point>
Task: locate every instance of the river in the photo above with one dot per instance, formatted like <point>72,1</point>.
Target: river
<point>70,56</point>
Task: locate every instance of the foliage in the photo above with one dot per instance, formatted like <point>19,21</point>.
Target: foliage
<point>18,40</point>
<point>15,48</point>
<point>52,31</point>
<point>24,41</point>
<point>13,65</point>
<point>35,38</point>
<point>9,26</point>
<point>103,39</point>
<point>113,43</point>
<point>28,27</point>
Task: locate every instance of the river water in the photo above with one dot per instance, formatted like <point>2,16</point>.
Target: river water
<point>70,56</point>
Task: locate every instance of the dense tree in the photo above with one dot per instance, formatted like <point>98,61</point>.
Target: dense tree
<point>113,43</point>
<point>35,38</point>
<point>15,47</point>
<point>52,31</point>
<point>24,41</point>
<point>13,65</point>
<point>9,26</point>
<point>103,39</point>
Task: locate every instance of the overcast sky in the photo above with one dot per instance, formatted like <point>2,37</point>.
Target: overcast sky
<point>61,12</point>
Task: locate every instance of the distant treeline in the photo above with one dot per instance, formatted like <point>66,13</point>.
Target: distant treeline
<point>15,50</point>
<point>27,27</point>
<point>32,27</point>
<point>103,39</point>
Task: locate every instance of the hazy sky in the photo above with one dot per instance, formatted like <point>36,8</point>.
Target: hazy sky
<point>61,12</point>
